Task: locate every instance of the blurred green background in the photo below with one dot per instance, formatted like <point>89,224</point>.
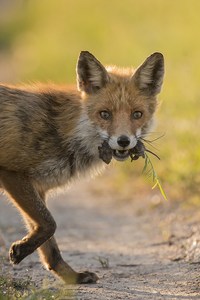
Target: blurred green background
<point>41,40</point>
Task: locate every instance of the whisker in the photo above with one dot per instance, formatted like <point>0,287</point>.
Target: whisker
<point>159,137</point>
<point>150,133</point>
<point>149,143</point>
<point>147,150</point>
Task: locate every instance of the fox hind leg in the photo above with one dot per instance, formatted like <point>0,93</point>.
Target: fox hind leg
<point>52,259</point>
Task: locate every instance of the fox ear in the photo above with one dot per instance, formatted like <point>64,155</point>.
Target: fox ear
<point>149,76</point>
<point>91,74</point>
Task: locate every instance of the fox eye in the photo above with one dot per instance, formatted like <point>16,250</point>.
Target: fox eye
<point>106,115</point>
<point>137,115</point>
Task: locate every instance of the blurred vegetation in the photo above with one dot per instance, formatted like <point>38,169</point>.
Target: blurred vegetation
<point>41,40</point>
<point>12,289</point>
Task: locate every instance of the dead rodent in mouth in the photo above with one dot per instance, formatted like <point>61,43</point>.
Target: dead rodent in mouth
<point>137,151</point>
<point>106,153</point>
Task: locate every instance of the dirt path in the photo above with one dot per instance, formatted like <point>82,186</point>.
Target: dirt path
<point>151,252</point>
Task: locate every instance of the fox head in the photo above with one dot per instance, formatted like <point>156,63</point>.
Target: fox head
<point>120,103</point>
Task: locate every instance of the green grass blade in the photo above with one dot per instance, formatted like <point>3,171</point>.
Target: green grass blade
<point>150,171</point>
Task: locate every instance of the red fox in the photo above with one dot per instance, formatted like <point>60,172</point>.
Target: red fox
<point>50,136</point>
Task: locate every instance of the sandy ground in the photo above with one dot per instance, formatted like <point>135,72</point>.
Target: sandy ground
<point>140,249</point>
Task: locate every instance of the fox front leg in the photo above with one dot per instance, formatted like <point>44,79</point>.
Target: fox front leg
<point>52,260</point>
<point>28,201</point>
<point>41,229</point>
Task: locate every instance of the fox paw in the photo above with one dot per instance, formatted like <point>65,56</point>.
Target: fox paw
<point>18,251</point>
<point>86,277</point>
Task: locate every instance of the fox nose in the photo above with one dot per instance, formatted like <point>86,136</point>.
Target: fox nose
<point>123,141</point>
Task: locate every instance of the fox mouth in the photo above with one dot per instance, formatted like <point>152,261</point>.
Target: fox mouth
<point>121,155</point>
<point>106,153</point>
